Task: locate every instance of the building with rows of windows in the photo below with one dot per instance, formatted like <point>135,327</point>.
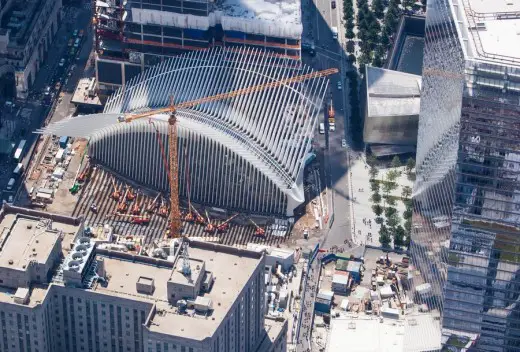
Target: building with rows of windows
<point>466,237</point>
<point>133,35</point>
<point>61,291</point>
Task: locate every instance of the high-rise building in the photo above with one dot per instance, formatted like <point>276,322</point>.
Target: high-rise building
<point>136,34</point>
<point>61,290</point>
<point>466,236</point>
<point>27,29</point>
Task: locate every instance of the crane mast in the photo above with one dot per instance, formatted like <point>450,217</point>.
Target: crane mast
<point>175,212</point>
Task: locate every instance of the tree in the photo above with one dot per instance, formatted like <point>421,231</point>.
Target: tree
<point>392,175</point>
<point>376,198</point>
<point>390,200</point>
<point>407,214</point>
<point>379,8</point>
<point>407,241</point>
<point>399,236</point>
<point>392,221</point>
<point>410,164</point>
<point>389,186</point>
<point>371,160</point>
<point>373,171</point>
<point>352,58</point>
<point>350,33</point>
<point>396,162</point>
<point>406,192</point>
<point>377,209</point>
<point>379,220</point>
<point>384,236</point>
<point>374,186</point>
<point>390,211</point>
<point>408,226</point>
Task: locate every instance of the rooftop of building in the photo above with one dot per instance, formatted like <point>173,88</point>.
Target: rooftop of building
<point>367,334</point>
<point>278,11</point>
<point>25,238</point>
<point>491,27</point>
<point>392,93</point>
<point>85,93</point>
<point>232,269</point>
<point>19,19</point>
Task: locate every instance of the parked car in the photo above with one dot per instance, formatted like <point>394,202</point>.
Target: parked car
<point>81,33</point>
<point>75,33</point>
<point>333,4</point>
<point>71,41</point>
<point>62,62</point>
<point>339,85</point>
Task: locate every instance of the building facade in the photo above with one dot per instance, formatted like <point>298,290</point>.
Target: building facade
<point>466,237</point>
<point>246,153</point>
<point>103,300</point>
<point>27,29</point>
<point>133,35</point>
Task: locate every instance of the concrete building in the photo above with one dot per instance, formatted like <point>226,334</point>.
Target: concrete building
<point>133,35</point>
<point>62,293</point>
<point>27,28</point>
<point>466,235</point>
<point>246,153</point>
<point>391,111</point>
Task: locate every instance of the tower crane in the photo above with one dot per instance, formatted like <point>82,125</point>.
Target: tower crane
<point>174,228</point>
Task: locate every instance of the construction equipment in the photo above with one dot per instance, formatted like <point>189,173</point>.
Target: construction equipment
<point>163,209</point>
<point>85,174</point>
<point>223,227</point>
<point>136,208</point>
<point>210,228</point>
<point>136,219</point>
<point>116,194</point>
<point>122,207</point>
<point>153,205</point>
<point>259,232</point>
<point>199,219</point>
<point>173,167</point>
<point>130,195</point>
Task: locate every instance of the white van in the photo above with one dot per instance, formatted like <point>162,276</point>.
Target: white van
<point>322,128</point>
<point>18,169</point>
<point>11,184</point>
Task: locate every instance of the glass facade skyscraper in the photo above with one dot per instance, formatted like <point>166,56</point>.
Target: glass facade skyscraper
<point>466,232</point>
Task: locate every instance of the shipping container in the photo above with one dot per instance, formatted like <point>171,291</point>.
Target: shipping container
<point>63,141</point>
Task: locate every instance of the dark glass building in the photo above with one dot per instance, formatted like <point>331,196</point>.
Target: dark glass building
<point>466,233</point>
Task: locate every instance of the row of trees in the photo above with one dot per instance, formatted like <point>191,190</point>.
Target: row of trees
<point>384,205</point>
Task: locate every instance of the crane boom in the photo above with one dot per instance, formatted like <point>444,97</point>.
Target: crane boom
<point>175,225</point>
<point>248,90</point>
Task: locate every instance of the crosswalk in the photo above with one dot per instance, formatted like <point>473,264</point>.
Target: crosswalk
<point>98,190</point>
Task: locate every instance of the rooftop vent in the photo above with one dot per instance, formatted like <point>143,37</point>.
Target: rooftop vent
<point>145,285</point>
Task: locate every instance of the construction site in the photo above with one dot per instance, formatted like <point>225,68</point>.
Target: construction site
<point>159,177</point>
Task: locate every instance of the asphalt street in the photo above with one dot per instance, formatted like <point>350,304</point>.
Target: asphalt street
<point>320,17</point>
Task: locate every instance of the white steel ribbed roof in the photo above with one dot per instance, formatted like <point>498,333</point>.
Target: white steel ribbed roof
<point>275,126</point>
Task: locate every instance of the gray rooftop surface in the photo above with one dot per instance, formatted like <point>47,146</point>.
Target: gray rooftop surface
<point>24,239</point>
<point>392,93</point>
<point>496,42</point>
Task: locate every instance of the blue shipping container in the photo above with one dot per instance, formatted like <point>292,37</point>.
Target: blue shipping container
<point>63,141</point>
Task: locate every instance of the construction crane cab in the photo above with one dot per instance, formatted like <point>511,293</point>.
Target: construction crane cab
<point>223,227</point>
<point>259,232</point>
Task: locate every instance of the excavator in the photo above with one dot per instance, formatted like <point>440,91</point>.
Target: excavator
<point>259,232</point>
<point>153,205</point>
<point>116,194</point>
<point>223,227</point>
<point>171,163</point>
